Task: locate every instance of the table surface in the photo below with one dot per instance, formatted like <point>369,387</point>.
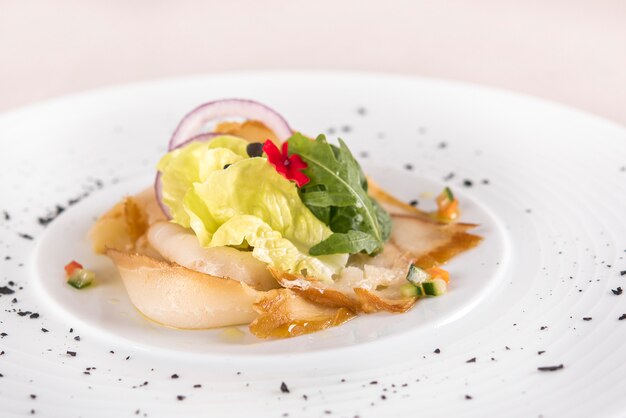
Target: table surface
<point>570,51</point>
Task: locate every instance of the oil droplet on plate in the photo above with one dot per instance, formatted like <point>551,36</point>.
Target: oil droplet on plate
<point>232,334</point>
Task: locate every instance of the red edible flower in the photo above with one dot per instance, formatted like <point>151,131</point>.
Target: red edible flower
<point>288,166</point>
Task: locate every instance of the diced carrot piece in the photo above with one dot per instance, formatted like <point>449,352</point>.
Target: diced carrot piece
<point>451,211</point>
<point>447,206</point>
<point>442,201</point>
<point>439,273</point>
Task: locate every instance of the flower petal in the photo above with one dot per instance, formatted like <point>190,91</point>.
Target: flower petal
<point>273,154</point>
<point>299,177</point>
<point>296,162</point>
<point>282,169</point>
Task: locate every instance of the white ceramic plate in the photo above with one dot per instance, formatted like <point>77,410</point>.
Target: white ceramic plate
<point>545,182</point>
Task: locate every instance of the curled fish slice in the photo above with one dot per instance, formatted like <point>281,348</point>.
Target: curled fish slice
<point>121,226</point>
<point>178,297</point>
<point>283,314</point>
<point>180,245</point>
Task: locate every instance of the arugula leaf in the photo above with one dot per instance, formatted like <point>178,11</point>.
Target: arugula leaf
<point>337,195</point>
<point>339,243</point>
<point>345,219</point>
<point>322,198</point>
<point>384,220</point>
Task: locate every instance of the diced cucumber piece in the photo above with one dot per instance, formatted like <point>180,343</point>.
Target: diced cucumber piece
<point>416,275</point>
<point>435,287</point>
<point>81,278</point>
<point>420,291</point>
<point>408,290</point>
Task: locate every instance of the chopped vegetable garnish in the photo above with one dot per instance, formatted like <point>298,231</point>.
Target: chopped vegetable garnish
<point>409,290</point>
<point>416,275</point>
<point>430,282</point>
<point>70,267</point>
<point>447,206</point>
<point>77,276</point>
<point>439,273</point>
<point>81,278</point>
<point>435,287</point>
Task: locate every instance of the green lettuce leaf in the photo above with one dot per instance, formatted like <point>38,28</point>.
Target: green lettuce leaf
<point>276,223</point>
<point>233,143</point>
<point>270,247</point>
<point>345,243</point>
<point>193,163</point>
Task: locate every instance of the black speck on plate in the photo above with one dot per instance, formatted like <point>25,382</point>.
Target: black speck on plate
<point>550,368</point>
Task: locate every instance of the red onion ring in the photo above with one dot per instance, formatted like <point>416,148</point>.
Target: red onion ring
<point>158,186</point>
<point>191,124</point>
<point>158,191</point>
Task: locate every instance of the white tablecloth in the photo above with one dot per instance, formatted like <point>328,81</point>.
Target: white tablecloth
<point>571,51</point>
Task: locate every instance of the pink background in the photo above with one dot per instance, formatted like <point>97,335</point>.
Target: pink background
<point>571,51</point>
